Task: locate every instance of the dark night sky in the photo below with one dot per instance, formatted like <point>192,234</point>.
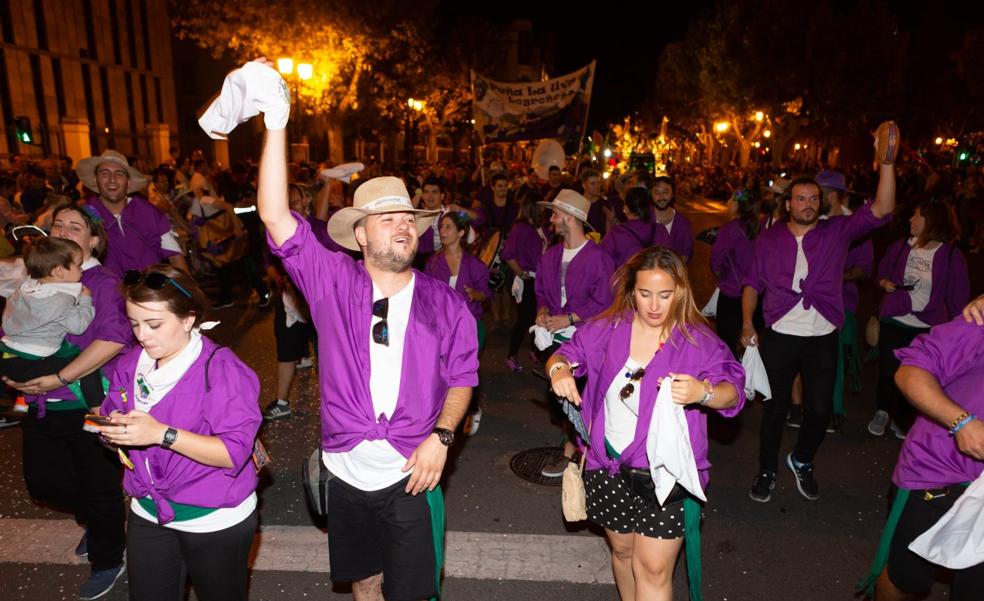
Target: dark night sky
<point>625,38</point>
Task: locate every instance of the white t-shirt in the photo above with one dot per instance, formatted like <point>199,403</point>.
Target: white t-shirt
<point>918,273</point>
<point>453,281</point>
<point>621,416</point>
<point>800,321</point>
<point>669,224</point>
<point>565,261</point>
<point>375,464</point>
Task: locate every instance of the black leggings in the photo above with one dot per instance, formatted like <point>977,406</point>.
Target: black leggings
<point>525,316</point>
<point>893,336</point>
<point>159,559</point>
<point>729,320</point>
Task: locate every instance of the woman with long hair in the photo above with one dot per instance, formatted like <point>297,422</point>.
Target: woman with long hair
<point>651,336</point>
<point>637,232</point>
<point>184,414</point>
<point>926,283</point>
<point>731,257</point>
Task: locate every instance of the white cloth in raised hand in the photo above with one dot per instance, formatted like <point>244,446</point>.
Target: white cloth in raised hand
<point>756,378</point>
<point>246,92</point>
<point>956,541</point>
<point>671,458</point>
<point>343,172</point>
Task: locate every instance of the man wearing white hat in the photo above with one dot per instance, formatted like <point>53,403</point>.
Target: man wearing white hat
<point>403,360</point>
<point>138,233</point>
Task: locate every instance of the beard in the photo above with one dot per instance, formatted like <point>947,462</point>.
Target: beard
<point>662,205</point>
<point>803,220</point>
<point>390,259</point>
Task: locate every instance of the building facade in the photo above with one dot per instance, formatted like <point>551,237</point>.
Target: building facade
<point>87,75</point>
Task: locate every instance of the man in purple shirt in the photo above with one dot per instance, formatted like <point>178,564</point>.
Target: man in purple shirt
<point>664,213</point>
<point>387,416</point>
<point>799,266</point>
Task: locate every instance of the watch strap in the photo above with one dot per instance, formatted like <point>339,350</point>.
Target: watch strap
<point>170,435</point>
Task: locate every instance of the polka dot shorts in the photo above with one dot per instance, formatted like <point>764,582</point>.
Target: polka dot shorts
<point>611,504</point>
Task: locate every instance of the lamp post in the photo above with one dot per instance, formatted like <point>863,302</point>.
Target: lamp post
<point>414,106</point>
<point>304,72</point>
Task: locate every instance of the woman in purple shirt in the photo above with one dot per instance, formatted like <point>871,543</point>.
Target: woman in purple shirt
<point>926,283</point>
<point>638,231</point>
<point>522,251</point>
<point>183,413</point>
<point>652,331</point>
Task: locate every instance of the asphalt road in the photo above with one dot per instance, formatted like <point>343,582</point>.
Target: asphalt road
<point>789,548</point>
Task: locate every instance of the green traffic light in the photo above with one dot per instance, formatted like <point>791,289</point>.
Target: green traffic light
<point>25,137</point>
<point>963,156</point>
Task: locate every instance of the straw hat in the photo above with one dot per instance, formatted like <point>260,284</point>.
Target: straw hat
<point>376,196</point>
<point>572,203</point>
<point>86,170</point>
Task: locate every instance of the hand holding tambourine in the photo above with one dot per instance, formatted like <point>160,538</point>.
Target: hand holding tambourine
<point>888,141</point>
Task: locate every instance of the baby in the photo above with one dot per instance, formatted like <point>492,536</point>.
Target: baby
<point>49,304</point>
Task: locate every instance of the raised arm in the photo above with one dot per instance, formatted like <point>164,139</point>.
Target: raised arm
<point>884,203</point>
<point>271,194</point>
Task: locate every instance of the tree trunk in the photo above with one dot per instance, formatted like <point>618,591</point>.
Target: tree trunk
<point>744,153</point>
<point>336,140</point>
<point>432,151</point>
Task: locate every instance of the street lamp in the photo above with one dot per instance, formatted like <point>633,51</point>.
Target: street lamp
<point>938,141</point>
<point>721,126</point>
<point>767,133</point>
<point>285,65</point>
<point>759,115</point>
<point>414,106</point>
<point>305,71</point>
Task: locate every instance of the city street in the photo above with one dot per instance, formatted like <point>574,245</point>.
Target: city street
<point>506,537</point>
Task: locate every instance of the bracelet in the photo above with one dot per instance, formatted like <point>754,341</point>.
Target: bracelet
<point>960,418</point>
<point>966,420</point>
<point>61,379</point>
<point>557,366</point>
<point>708,392</point>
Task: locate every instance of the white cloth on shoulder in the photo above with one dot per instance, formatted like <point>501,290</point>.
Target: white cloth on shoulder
<point>671,458</point>
<point>246,92</point>
<point>956,541</point>
<point>756,378</point>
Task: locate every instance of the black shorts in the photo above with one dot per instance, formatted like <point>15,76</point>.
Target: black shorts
<point>913,574</point>
<point>611,504</point>
<point>292,342</point>
<point>386,531</point>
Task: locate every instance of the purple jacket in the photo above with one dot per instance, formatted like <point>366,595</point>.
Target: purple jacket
<point>596,216</point>
<point>826,247</point>
<point>496,217</point>
<point>320,230</point>
<point>110,323</point>
<point>862,255</point>
<point>626,239</point>
<point>951,284</point>
<point>602,348</point>
<point>523,245</point>
<point>472,273</point>
<point>588,283</point>
<point>133,242</point>
<point>441,351</point>
<point>227,407</point>
<point>681,235</point>
<point>954,353</point>
<point>731,257</point>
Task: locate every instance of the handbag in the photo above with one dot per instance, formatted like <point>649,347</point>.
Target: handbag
<point>573,499</point>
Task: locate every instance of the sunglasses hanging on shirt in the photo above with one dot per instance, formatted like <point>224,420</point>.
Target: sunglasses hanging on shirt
<point>380,331</point>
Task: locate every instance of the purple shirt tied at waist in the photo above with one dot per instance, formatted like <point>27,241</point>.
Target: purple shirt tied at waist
<point>954,354</point>
<point>950,288</point>
<point>441,347</point>
<point>601,347</point>
<point>861,255</point>
<point>680,233</point>
<point>110,324</point>
<point>626,239</point>
<point>133,241</point>
<point>588,282</point>
<point>472,273</point>
<point>731,257</point>
<point>524,245</point>
<point>227,407</point>
<point>826,247</point>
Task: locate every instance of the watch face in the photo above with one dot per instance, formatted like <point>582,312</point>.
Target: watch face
<point>445,436</point>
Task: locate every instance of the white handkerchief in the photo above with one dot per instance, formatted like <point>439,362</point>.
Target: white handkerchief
<point>542,338</point>
<point>343,172</point>
<point>252,89</point>
<point>671,458</point>
<point>756,377</point>
<point>956,541</point>
<point>711,308</point>
<point>517,289</point>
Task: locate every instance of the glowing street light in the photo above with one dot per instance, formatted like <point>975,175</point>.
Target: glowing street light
<point>417,105</point>
<point>767,133</point>
<point>607,153</point>
<point>759,115</point>
<point>285,65</point>
<point>305,71</point>
<point>796,146</point>
<point>721,126</point>
<point>938,141</point>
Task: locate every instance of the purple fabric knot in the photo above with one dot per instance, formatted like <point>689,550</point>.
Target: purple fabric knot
<point>165,513</point>
<point>614,467</point>
<point>381,430</point>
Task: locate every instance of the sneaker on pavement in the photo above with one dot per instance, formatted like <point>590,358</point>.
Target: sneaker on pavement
<point>897,430</point>
<point>805,482</point>
<point>276,410</point>
<point>82,549</point>
<point>305,363</point>
<point>265,301</point>
<point>472,422</point>
<point>835,423</point>
<point>6,422</point>
<point>513,364</point>
<point>101,582</point>
<point>877,424</point>
<point>556,466</point>
<point>795,417</point>
<point>762,486</point>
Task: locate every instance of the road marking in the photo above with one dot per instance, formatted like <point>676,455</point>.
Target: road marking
<point>481,555</point>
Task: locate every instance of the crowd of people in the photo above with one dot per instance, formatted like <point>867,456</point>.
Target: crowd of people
<point>394,278</point>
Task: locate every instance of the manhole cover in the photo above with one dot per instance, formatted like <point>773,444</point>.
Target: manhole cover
<point>528,465</point>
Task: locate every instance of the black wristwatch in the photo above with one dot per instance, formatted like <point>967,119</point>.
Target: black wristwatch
<point>169,437</point>
<point>445,436</point>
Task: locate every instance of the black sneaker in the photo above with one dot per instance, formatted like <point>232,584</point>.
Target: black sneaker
<point>762,486</point>
<point>6,422</point>
<point>795,417</point>
<point>805,482</point>
<point>835,423</point>
<point>276,410</point>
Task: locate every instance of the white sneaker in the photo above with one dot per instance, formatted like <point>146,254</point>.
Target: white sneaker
<point>877,424</point>
<point>472,422</point>
<point>305,363</point>
<point>897,430</point>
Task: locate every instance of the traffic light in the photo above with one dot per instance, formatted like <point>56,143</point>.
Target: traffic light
<point>24,134</point>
